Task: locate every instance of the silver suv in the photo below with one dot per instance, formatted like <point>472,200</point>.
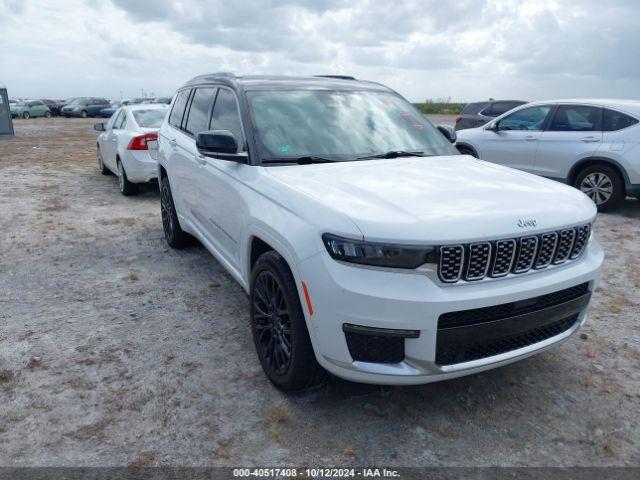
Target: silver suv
<point>590,144</point>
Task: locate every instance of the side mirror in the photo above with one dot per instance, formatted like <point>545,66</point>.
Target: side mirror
<point>99,127</point>
<point>494,127</point>
<point>448,132</point>
<point>219,144</point>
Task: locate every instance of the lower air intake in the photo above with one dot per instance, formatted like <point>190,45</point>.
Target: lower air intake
<point>371,348</point>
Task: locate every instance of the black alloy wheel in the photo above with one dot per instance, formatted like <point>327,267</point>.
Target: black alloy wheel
<point>272,323</point>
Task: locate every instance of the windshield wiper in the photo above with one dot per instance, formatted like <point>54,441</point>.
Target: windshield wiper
<point>304,160</point>
<point>395,154</point>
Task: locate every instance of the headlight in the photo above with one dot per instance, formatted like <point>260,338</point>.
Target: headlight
<point>378,254</point>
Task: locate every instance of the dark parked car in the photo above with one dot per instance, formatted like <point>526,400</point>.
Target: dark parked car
<point>85,107</point>
<point>478,113</point>
<point>110,110</point>
<point>54,105</point>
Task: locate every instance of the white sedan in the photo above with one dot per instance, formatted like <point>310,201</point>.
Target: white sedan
<point>123,145</point>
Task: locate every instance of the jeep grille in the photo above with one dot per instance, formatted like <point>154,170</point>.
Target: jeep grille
<point>497,258</point>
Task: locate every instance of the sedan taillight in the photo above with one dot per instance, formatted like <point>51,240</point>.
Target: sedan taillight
<point>458,118</point>
<point>141,142</point>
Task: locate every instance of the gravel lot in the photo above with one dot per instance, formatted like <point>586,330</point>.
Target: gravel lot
<point>117,350</point>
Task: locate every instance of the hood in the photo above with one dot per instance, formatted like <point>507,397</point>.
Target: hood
<point>438,199</point>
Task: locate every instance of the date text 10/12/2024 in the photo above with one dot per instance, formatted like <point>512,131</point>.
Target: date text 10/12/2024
<point>316,472</point>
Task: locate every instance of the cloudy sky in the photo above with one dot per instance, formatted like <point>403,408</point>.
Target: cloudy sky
<point>463,49</point>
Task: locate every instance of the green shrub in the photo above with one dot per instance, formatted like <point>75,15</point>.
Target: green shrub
<point>439,108</point>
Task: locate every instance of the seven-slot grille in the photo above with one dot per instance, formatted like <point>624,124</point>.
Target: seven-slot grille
<point>515,255</point>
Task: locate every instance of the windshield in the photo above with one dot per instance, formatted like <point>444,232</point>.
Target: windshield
<point>20,104</point>
<point>340,125</point>
<point>149,118</point>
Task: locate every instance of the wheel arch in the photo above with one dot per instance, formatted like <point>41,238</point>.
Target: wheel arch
<point>259,242</point>
<point>468,147</point>
<point>597,160</point>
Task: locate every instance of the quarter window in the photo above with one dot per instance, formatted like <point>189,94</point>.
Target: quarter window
<point>226,115</point>
<point>531,118</point>
<point>576,118</point>
<point>118,121</point>
<point>200,110</point>
<point>617,120</point>
<point>177,112</point>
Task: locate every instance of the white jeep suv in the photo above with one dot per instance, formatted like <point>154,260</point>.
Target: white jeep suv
<point>593,145</point>
<point>368,246</point>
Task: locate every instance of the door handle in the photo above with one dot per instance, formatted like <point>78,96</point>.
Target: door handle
<point>590,139</point>
<point>530,138</point>
<point>201,159</point>
<point>173,143</point>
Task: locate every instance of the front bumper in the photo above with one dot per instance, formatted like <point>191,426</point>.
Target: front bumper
<point>344,294</point>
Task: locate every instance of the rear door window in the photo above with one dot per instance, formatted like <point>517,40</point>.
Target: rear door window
<point>576,118</point>
<point>200,110</point>
<point>614,120</point>
<point>177,112</point>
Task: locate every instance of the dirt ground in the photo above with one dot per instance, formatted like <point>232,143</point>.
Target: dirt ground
<point>117,350</point>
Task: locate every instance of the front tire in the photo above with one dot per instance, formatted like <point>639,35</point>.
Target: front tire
<point>83,114</point>
<point>126,187</point>
<point>173,233</point>
<point>26,115</point>
<point>602,184</point>
<point>47,114</point>
<point>279,328</point>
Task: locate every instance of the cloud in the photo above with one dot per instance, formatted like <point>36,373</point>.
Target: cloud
<point>466,49</point>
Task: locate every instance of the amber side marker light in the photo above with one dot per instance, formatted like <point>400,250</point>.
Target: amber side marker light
<point>307,298</point>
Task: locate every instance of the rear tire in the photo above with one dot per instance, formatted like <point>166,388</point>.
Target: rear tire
<point>126,187</point>
<point>47,114</point>
<point>103,168</point>
<point>603,184</point>
<point>83,114</point>
<point>279,328</point>
<point>173,233</point>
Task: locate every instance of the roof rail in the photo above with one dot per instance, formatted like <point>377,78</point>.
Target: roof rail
<point>339,77</point>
